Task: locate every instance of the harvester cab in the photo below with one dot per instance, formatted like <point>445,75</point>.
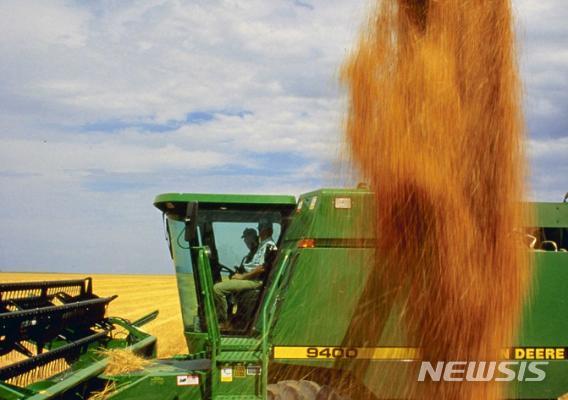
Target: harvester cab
<point>217,224</point>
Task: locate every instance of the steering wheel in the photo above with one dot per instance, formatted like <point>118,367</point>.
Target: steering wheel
<point>227,269</point>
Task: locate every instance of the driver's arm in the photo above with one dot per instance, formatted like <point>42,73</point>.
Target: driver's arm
<point>250,275</point>
<point>258,260</point>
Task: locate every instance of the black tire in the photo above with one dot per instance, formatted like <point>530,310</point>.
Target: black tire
<point>302,390</point>
<point>328,393</point>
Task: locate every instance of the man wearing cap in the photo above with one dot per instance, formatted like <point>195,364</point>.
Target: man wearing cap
<point>250,279</point>
<point>251,241</point>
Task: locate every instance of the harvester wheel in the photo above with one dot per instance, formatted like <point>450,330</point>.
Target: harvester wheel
<point>301,390</point>
<point>328,393</point>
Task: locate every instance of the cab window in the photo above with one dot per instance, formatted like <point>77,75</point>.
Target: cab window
<point>230,244</point>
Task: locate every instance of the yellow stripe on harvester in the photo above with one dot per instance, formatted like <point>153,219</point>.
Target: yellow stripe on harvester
<point>404,353</point>
<point>354,353</point>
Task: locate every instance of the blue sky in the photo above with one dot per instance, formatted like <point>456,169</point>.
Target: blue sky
<point>105,104</point>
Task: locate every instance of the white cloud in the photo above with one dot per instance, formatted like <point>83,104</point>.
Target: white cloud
<point>36,25</point>
<point>110,156</point>
<point>544,60</point>
<point>68,66</point>
<point>549,162</point>
<point>168,58</point>
<point>550,150</point>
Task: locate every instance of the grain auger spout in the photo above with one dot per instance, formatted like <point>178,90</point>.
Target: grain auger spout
<point>48,329</point>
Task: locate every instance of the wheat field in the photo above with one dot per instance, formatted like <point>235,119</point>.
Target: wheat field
<point>137,295</point>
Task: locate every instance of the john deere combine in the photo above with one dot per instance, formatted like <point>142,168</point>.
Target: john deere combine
<point>291,336</point>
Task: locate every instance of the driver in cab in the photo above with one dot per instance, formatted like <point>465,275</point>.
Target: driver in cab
<point>247,280</point>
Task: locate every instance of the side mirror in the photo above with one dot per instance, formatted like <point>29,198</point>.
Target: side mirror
<point>191,221</point>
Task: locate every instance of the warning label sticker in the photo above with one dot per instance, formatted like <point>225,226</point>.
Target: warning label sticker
<point>227,374</point>
<point>187,380</point>
<point>240,371</point>
<point>253,370</point>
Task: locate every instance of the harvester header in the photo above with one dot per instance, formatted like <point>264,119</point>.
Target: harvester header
<point>48,328</point>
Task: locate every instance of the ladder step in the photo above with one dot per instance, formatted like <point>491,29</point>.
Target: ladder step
<point>239,356</point>
<point>240,344</point>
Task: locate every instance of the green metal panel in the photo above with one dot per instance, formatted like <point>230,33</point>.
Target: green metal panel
<point>545,322</point>
<point>317,216</point>
<point>160,380</point>
<point>552,215</point>
<point>321,297</point>
<point>546,314</point>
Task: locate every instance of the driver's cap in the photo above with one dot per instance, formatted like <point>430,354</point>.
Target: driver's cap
<point>249,232</point>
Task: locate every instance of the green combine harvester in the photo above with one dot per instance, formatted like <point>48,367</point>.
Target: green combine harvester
<point>291,337</point>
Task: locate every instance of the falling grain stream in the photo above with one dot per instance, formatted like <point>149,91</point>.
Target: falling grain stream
<point>435,126</point>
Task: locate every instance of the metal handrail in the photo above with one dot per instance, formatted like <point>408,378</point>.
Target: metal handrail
<point>206,280</point>
<point>267,316</point>
<point>213,331</point>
